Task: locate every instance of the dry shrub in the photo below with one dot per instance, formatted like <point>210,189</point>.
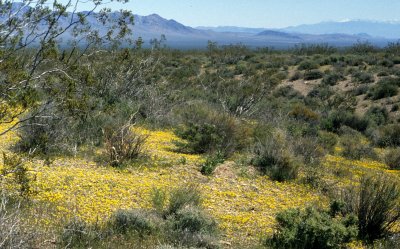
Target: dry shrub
<point>123,145</point>
<point>13,231</point>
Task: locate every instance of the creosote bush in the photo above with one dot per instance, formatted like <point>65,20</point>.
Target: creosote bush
<point>354,148</point>
<point>274,157</point>
<point>313,75</point>
<point>332,78</point>
<point>138,221</point>
<point>388,135</point>
<point>182,197</point>
<point>335,120</point>
<point>208,131</point>
<point>312,229</point>
<point>392,158</point>
<point>308,65</point>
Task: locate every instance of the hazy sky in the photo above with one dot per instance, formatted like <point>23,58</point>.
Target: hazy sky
<point>264,13</point>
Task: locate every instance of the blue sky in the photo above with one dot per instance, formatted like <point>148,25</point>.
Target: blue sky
<point>264,13</point>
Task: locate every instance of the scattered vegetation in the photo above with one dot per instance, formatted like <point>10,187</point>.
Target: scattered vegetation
<point>103,139</point>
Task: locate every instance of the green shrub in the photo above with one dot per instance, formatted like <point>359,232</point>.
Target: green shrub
<point>383,74</point>
<point>382,90</point>
<point>158,198</point>
<point>386,63</point>
<point>15,170</point>
<point>321,92</point>
<point>135,220</point>
<point>212,161</point>
<point>308,65</point>
<point>296,76</point>
<point>206,130</point>
<point>312,229</point>
<point>360,90</point>
<point>336,120</point>
<point>302,112</point>
<point>182,197</point>
<point>376,203</point>
<point>354,148</point>
<point>332,78</point>
<point>192,227</point>
<point>287,92</point>
<point>392,158</point>
<point>78,234</point>
<point>377,115</point>
<point>363,77</point>
<point>327,140</point>
<point>313,75</point>
<point>395,108</point>
<point>274,157</point>
<point>194,220</point>
<point>388,135</point>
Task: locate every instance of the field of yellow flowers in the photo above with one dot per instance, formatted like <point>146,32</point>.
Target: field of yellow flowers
<point>243,205</point>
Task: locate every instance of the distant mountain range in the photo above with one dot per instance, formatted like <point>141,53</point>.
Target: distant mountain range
<point>390,30</point>
<point>336,33</point>
<point>181,36</point>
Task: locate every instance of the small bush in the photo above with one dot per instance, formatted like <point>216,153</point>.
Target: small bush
<point>208,131</point>
<point>354,148</point>
<point>158,198</point>
<point>383,90</point>
<point>388,135</point>
<point>327,140</point>
<point>182,197</point>
<point>15,232</point>
<point>296,76</point>
<point>320,92</point>
<point>386,63</point>
<point>313,75</point>
<point>287,92</point>
<point>208,167</point>
<point>124,221</point>
<point>309,149</point>
<point>392,158</point>
<point>194,220</point>
<point>78,234</point>
<point>360,90</point>
<point>308,65</point>
<point>192,227</point>
<point>273,157</point>
<point>332,78</point>
<point>312,229</point>
<point>377,115</point>
<point>301,112</point>
<point>123,145</point>
<point>336,120</point>
<point>383,74</point>
<point>376,204</point>
<point>18,173</point>
<point>395,108</point>
<point>363,77</point>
